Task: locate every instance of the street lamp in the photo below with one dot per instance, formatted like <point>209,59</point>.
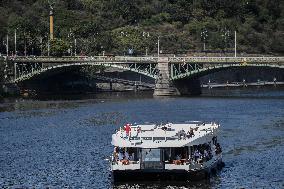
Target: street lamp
<point>235,43</point>
<point>204,35</point>
<point>70,39</point>
<point>16,41</point>
<point>124,35</point>
<point>7,45</point>
<point>146,35</point>
<point>158,46</point>
<point>75,45</point>
<point>48,45</point>
<point>158,43</point>
<point>226,36</point>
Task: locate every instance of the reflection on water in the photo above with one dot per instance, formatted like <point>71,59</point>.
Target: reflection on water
<point>57,143</point>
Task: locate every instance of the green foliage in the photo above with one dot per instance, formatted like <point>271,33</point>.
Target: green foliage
<point>130,37</point>
<point>58,47</point>
<point>97,25</point>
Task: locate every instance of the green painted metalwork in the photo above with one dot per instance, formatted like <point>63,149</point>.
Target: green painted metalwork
<point>180,67</point>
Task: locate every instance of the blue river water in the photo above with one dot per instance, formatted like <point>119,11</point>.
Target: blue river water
<point>53,143</point>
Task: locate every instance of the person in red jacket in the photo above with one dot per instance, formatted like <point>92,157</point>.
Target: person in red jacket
<point>127,129</point>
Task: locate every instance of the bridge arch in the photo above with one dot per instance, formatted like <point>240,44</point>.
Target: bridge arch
<point>35,72</point>
<point>211,69</point>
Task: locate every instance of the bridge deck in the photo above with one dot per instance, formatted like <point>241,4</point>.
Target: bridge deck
<point>159,68</point>
<point>127,59</point>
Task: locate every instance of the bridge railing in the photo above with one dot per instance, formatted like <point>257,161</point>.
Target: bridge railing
<point>136,59</point>
<point>110,59</point>
<point>227,59</point>
<point>128,59</point>
<point>55,59</point>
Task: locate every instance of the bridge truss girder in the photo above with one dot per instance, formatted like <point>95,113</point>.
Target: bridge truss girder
<point>187,70</point>
<point>24,71</point>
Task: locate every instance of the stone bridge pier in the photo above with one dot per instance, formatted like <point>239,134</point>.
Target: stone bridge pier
<point>164,86</point>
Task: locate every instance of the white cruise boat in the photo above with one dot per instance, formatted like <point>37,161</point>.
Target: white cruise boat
<point>188,151</point>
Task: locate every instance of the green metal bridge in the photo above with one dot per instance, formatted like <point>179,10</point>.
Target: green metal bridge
<point>164,70</point>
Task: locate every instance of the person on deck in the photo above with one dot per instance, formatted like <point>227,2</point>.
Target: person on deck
<point>127,129</point>
<point>120,156</point>
<point>196,155</point>
<point>126,155</point>
<point>190,133</point>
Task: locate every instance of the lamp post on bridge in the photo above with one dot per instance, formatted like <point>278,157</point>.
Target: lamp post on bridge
<point>25,44</point>
<point>226,36</point>
<point>158,43</point>
<point>75,46</point>
<point>158,46</point>
<point>72,40</point>
<point>204,35</point>
<point>15,41</point>
<point>48,46</point>
<point>123,35</point>
<point>146,35</point>
<point>235,43</point>
<point>7,46</point>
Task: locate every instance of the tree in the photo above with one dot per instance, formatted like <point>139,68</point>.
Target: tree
<point>58,47</point>
<point>95,23</point>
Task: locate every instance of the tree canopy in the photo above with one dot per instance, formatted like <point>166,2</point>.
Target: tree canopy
<point>117,26</point>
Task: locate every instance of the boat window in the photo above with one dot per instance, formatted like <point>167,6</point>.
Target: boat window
<point>167,155</point>
<point>171,138</point>
<point>158,138</point>
<point>151,154</point>
<point>172,154</point>
<point>134,154</point>
<point>147,138</point>
<point>134,138</point>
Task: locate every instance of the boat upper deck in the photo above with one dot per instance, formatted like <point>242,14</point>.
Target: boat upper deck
<point>165,135</point>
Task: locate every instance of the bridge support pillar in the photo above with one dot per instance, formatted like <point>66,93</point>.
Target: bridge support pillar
<point>164,86</point>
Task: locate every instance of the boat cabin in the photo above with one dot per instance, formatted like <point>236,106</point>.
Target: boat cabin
<point>169,146</point>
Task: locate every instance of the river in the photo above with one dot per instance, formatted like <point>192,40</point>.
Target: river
<point>59,141</point>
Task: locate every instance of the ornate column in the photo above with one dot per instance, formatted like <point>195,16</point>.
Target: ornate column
<point>51,22</point>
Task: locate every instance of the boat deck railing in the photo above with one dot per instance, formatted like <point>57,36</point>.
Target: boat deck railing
<point>182,138</point>
<point>167,166</point>
<point>187,165</point>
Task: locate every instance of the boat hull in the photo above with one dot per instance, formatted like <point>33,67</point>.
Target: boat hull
<point>165,175</point>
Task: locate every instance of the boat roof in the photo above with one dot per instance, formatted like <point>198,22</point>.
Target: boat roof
<point>165,135</point>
